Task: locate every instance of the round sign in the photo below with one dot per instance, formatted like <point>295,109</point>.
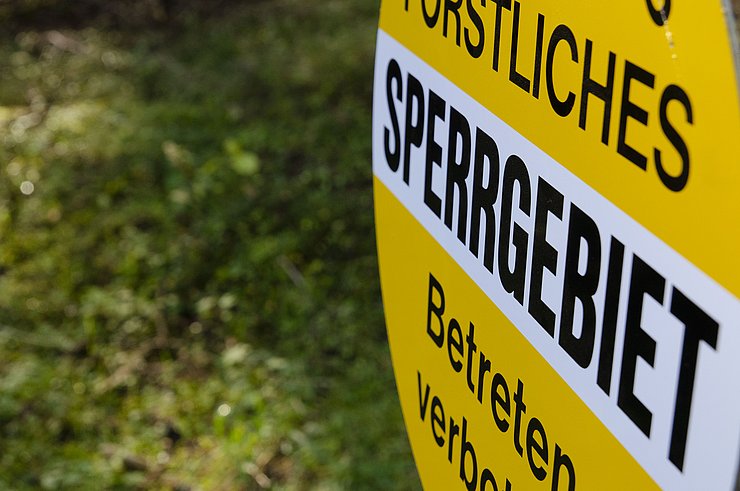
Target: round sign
<point>556,196</point>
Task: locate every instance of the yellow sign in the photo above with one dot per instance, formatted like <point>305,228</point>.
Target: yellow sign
<point>558,225</point>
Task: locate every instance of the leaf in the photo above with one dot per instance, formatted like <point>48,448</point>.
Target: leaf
<point>245,164</point>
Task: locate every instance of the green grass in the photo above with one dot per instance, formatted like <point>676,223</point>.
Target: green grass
<point>188,286</point>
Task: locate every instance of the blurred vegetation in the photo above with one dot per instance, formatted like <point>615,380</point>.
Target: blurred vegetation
<point>188,286</point>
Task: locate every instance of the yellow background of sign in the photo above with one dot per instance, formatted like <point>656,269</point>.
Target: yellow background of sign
<point>693,50</point>
<point>599,460</point>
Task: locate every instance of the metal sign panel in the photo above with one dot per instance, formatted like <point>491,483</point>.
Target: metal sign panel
<point>557,223</point>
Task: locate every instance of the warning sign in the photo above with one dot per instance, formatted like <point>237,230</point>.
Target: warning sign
<point>558,225</point>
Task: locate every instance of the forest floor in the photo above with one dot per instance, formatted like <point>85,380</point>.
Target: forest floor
<point>188,283</point>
